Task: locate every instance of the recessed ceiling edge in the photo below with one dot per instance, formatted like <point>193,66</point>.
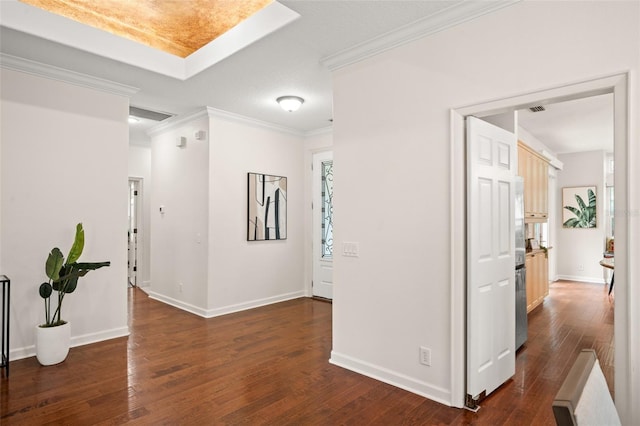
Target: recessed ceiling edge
<point>32,20</point>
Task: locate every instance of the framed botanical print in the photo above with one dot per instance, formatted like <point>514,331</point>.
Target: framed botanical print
<point>579,207</point>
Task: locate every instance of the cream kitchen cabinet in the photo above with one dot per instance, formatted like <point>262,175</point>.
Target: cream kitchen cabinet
<point>534,169</point>
<point>537,281</point>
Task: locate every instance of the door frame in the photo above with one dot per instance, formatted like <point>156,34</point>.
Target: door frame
<point>313,147</point>
<point>625,390</point>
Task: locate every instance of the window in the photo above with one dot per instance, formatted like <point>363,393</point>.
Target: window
<point>611,214</point>
<point>610,206</point>
<point>327,209</point>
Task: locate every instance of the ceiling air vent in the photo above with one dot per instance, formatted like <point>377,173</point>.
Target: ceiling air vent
<point>149,115</point>
<point>537,108</point>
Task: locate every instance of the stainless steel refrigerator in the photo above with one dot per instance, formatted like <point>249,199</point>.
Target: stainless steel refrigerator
<point>521,290</point>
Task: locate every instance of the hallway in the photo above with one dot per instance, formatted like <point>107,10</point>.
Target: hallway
<point>269,366</point>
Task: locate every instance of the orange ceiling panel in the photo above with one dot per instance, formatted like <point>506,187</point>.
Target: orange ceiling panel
<point>179,27</point>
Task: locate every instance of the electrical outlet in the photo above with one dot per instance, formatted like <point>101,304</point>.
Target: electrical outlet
<point>580,267</point>
<point>180,287</point>
<point>425,356</point>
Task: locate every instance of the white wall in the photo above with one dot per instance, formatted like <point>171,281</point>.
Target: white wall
<point>64,160</point>
<point>245,273</point>
<point>201,240</point>
<point>1,258</point>
<point>554,219</point>
<point>392,183</point>
<point>179,244</point>
<point>138,135</point>
<point>140,167</point>
<point>506,120</point>
<point>534,143</point>
<point>578,248</point>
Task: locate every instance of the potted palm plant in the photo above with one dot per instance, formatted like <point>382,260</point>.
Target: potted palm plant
<point>54,336</point>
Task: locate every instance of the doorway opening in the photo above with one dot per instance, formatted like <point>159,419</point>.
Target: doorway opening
<point>322,206</point>
<point>616,84</point>
<point>134,242</point>
<point>576,139</point>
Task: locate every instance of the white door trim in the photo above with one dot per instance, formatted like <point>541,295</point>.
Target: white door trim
<point>627,390</point>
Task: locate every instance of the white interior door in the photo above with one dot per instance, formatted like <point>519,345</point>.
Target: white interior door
<point>323,224</point>
<point>491,167</point>
<point>132,232</point>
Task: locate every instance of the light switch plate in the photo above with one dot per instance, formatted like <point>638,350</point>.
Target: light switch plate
<point>351,249</point>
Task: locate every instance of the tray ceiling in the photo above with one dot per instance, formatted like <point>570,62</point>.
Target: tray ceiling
<point>178,29</point>
<point>124,30</point>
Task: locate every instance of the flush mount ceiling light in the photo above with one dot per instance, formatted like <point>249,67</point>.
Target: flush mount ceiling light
<point>133,119</point>
<point>290,103</point>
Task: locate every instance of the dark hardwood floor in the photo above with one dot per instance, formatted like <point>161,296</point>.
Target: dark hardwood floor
<point>269,366</point>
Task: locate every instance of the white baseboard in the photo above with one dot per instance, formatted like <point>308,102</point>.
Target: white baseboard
<point>592,280</point>
<point>85,339</point>
<point>254,304</point>
<point>210,313</point>
<point>393,378</point>
<point>196,310</point>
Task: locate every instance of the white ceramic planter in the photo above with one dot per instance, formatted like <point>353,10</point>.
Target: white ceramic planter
<point>52,344</point>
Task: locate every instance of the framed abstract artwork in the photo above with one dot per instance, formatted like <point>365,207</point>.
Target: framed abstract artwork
<point>579,207</point>
<point>267,207</point>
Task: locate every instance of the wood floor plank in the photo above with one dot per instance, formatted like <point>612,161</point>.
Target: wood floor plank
<point>269,366</point>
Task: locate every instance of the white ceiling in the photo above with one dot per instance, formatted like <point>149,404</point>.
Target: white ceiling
<point>296,60</point>
<point>573,126</point>
<point>288,61</point>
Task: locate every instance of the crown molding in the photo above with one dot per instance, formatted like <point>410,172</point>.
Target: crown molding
<point>454,15</point>
<point>213,112</point>
<point>178,121</point>
<point>175,122</point>
<point>51,72</point>
<point>320,131</point>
